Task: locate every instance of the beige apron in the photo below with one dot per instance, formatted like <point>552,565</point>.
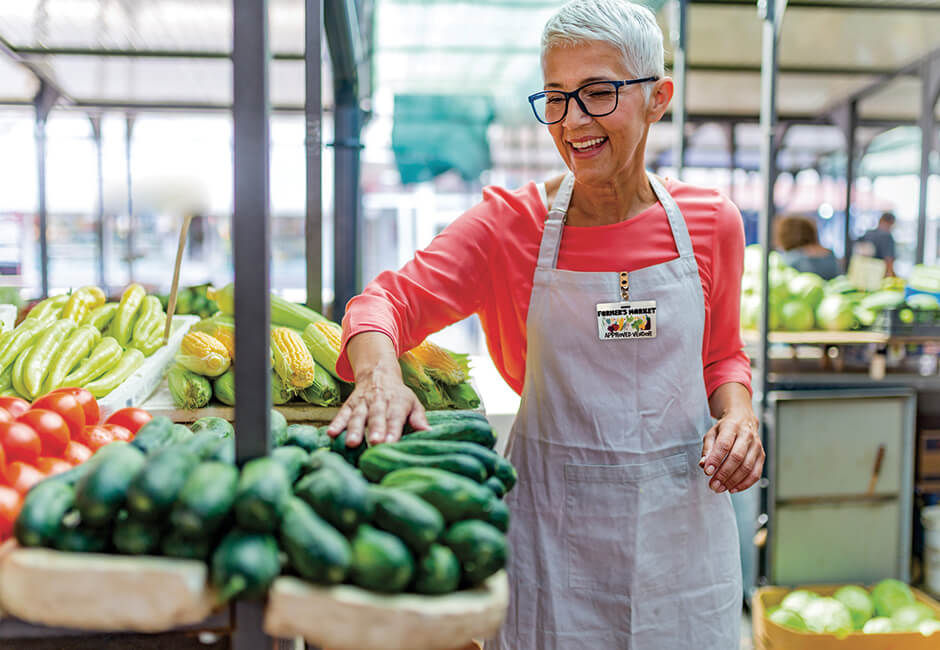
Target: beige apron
<point>617,541</point>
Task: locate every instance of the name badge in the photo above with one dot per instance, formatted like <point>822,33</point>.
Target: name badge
<point>626,320</point>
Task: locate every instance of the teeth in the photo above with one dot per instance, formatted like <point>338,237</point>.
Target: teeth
<point>587,143</point>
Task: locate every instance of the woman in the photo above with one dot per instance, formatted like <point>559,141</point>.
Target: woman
<point>797,237</point>
<point>617,540</point>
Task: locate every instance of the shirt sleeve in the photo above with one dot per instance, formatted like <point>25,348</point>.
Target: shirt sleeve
<point>443,284</point>
<point>725,359</point>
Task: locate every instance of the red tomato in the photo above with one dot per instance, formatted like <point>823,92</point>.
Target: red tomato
<point>5,415</point>
<point>51,427</point>
<point>86,399</point>
<point>3,466</point>
<point>131,419</point>
<point>76,453</point>
<point>50,466</point>
<point>10,504</point>
<point>22,476</point>
<point>120,433</point>
<point>66,405</point>
<point>95,436</point>
<point>20,442</point>
<point>14,405</point>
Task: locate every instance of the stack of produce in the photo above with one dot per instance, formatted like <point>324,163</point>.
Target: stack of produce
<point>304,349</point>
<point>889,607</point>
<point>192,300</point>
<point>52,435</point>
<point>80,340</point>
<point>422,524</point>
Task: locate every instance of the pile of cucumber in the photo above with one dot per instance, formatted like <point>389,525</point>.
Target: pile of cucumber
<point>423,515</point>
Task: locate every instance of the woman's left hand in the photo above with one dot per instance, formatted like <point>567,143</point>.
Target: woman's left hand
<point>732,452</point>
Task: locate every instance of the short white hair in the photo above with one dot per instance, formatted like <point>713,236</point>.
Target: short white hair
<point>630,27</point>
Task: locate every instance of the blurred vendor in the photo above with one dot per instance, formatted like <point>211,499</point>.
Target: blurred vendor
<point>879,242</point>
<point>796,236</point>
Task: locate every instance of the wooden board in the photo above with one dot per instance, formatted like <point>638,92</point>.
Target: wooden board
<point>89,591</point>
<point>818,337</point>
<point>349,618</point>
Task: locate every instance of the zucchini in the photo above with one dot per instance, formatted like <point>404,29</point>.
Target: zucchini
<point>437,572</point>
<point>206,499</point>
<point>453,415</point>
<point>203,444</point>
<point>295,461</point>
<point>413,520</point>
<point>495,464</point>
<point>152,493</point>
<point>336,492</point>
<point>498,516</point>
<point>156,434</point>
<point>465,430</point>
<point>380,561</point>
<point>83,539</point>
<point>245,564</point>
<point>135,537</point>
<point>316,550</point>
<point>262,495</point>
<point>495,486</point>
<point>350,454</point>
<point>40,518</point>
<point>221,427</point>
<point>175,544</point>
<point>456,497</point>
<point>380,460</point>
<point>305,436</point>
<point>480,548</point>
<point>101,492</point>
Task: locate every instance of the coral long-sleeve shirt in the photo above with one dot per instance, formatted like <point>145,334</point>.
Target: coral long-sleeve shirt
<point>484,263</point>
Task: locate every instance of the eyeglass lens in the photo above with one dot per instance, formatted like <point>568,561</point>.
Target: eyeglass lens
<point>599,99</point>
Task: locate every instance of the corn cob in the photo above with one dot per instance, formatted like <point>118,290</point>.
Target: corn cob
<point>81,302</point>
<point>324,391</point>
<point>223,387</point>
<point>189,390</point>
<point>412,373</point>
<point>440,364</point>
<point>48,310</point>
<point>38,363</point>
<point>101,317</point>
<point>21,338</point>
<point>221,328</point>
<point>130,361</point>
<point>324,340</point>
<point>76,347</point>
<point>283,312</point>
<point>292,360</point>
<point>280,394</point>
<point>122,326</point>
<point>462,396</point>
<point>102,359</point>
<point>203,355</point>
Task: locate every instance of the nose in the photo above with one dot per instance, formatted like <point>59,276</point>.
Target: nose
<point>575,116</point>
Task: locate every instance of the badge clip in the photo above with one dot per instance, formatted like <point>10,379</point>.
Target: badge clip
<point>625,286</point>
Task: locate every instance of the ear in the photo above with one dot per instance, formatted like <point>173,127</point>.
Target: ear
<point>660,97</point>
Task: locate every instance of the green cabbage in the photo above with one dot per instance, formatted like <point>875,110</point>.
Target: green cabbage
<point>828,616</point>
<point>890,595</point>
<point>878,625</point>
<point>858,602</point>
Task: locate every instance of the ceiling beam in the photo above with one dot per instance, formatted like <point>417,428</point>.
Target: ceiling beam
<point>41,75</point>
<point>813,4</point>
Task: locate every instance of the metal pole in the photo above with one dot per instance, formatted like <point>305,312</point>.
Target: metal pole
<point>99,225</point>
<point>847,120</point>
<point>930,90</point>
<point>346,211</point>
<point>43,102</point>
<point>732,150</point>
<point>131,221</point>
<point>679,36</point>
<point>251,238</point>
<point>313,114</point>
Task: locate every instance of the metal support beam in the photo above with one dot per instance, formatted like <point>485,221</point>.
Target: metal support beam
<point>731,135</point>
<point>313,142</point>
<point>679,36</point>
<point>930,91</point>
<point>251,238</point>
<point>43,103</point>
<point>879,84</point>
<point>99,216</point>
<point>846,118</point>
<point>129,120</point>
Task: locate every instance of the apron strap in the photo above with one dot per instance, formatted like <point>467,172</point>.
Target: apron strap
<point>676,221</point>
<point>555,224</point>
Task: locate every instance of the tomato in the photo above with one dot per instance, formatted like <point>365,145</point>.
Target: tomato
<point>3,466</point>
<point>14,405</point>
<point>86,399</point>
<point>120,433</point>
<point>51,427</point>
<point>66,405</point>
<point>76,453</point>
<point>22,476</point>
<point>10,504</point>
<point>95,436</point>
<point>50,466</point>
<point>20,442</point>
<point>5,415</point>
<point>130,418</point>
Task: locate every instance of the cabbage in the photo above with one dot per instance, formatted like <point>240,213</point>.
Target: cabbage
<point>878,625</point>
<point>789,619</point>
<point>797,316</point>
<point>750,312</point>
<point>835,313</point>
<point>797,600</point>
<point>890,595</point>
<point>858,602</point>
<point>753,255</point>
<point>907,618</point>
<point>808,287</point>
<point>828,616</point>
<point>929,627</point>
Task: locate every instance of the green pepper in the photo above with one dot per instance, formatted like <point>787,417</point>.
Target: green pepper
<point>101,316</point>
<point>49,309</point>
<point>22,337</point>
<point>6,378</point>
<point>130,361</point>
<point>77,347</point>
<point>102,359</point>
<point>40,358</point>
<point>16,377</point>
<point>123,324</point>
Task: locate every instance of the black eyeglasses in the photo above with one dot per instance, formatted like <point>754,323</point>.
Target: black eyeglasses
<point>597,99</point>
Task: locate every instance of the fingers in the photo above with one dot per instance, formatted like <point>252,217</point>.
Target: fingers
<point>355,427</point>
<point>723,442</point>
<point>377,419</point>
<point>707,444</point>
<point>339,422</point>
<point>735,458</point>
<point>751,467</point>
<point>418,419</point>
<point>397,413</point>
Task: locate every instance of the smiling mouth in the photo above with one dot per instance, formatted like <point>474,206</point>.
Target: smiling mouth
<point>588,145</point>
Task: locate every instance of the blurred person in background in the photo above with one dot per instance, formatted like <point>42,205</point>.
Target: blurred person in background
<point>879,242</point>
<point>623,534</point>
<point>797,238</point>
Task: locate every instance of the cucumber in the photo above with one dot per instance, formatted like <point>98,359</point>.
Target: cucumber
<point>135,537</point>
<point>413,520</point>
<point>262,495</point>
<point>456,497</point>
<point>305,436</point>
<point>156,434</point>
<point>465,430</point>
<point>498,516</point>
<point>380,561</point>
<point>180,433</point>
<point>245,564</point>
<point>152,493</point>
<point>224,451</point>
<point>278,428</point>
<point>495,464</point>
<point>83,539</point>
<point>480,548</point>
<point>437,572</point>
<point>453,415</point>
<point>175,544</point>
<point>495,486</point>
<point>221,427</point>
<point>40,518</point>
<point>101,492</point>
<point>316,550</point>
<point>336,492</point>
<point>206,499</point>
<point>203,444</point>
<point>295,461</point>
<point>380,460</point>
<point>350,454</point>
